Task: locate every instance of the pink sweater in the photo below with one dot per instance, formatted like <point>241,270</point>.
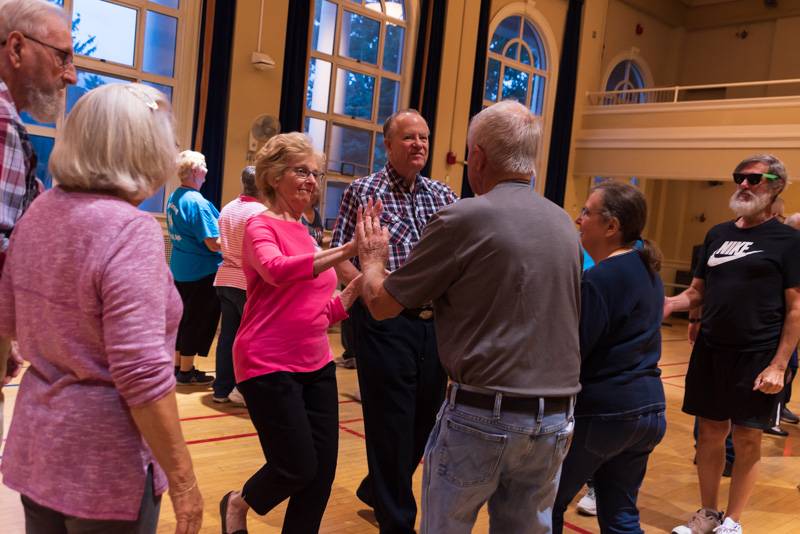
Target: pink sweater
<point>87,292</point>
<point>288,309</point>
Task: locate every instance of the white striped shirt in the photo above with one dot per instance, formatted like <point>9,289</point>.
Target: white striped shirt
<point>232,220</point>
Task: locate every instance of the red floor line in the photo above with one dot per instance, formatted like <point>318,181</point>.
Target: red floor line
<point>671,364</point>
<point>221,438</point>
<point>350,421</point>
<point>349,431</point>
<point>348,401</point>
<point>787,447</point>
<point>673,376</point>
<point>675,385</point>
<point>195,418</point>
<point>576,528</point>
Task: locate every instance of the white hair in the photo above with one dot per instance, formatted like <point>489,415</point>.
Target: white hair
<point>28,17</point>
<point>119,138</point>
<point>188,161</point>
<point>509,135</point>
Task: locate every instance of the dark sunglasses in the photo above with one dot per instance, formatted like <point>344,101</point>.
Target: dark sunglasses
<point>753,178</point>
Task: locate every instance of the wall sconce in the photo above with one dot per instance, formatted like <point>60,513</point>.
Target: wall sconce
<point>742,34</point>
<point>699,218</point>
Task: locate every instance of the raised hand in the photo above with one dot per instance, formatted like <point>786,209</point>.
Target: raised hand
<point>372,240</point>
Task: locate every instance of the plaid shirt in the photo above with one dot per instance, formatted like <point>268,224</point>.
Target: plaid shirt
<point>405,212</point>
<point>18,185</point>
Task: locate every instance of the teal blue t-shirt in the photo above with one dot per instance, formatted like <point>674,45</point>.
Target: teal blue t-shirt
<point>190,220</point>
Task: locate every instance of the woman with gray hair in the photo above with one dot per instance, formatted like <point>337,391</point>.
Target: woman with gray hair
<point>95,440</point>
<point>192,222</point>
<point>281,355</point>
<point>230,282</point>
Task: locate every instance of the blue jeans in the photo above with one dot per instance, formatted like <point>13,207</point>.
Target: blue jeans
<point>512,460</point>
<point>231,302</point>
<point>613,451</point>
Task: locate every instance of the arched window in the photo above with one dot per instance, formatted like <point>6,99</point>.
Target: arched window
<point>147,41</point>
<point>357,74</point>
<point>516,65</point>
<point>625,76</point>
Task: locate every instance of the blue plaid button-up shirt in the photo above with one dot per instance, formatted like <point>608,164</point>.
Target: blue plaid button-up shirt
<point>405,213</point>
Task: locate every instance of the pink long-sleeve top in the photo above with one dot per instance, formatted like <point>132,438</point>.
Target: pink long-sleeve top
<point>288,309</point>
<point>87,293</point>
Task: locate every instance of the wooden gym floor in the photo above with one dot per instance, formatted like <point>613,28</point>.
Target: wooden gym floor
<point>225,451</point>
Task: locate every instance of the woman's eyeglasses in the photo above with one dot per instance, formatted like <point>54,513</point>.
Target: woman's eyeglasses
<point>302,172</point>
<point>753,178</point>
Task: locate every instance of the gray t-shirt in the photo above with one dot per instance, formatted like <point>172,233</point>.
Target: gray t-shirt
<point>503,272</point>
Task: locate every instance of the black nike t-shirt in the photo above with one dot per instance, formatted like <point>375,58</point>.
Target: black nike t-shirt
<point>746,271</point>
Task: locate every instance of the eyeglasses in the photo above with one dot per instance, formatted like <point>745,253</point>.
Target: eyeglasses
<point>303,172</point>
<point>586,211</point>
<point>753,178</point>
<point>64,57</point>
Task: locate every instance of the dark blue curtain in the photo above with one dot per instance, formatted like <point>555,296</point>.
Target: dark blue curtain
<point>221,14</point>
<point>428,65</point>
<point>561,134</point>
<point>479,73</point>
<point>293,88</point>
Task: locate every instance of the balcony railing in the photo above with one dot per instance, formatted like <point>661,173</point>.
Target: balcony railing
<point>691,93</point>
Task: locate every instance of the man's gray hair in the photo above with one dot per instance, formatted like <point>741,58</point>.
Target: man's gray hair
<point>774,166</point>
<point>28,17</point>
<point>509,134</point>
<point>249,186</point>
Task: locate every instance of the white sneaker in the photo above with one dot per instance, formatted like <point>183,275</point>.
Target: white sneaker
<point>588,503</point>
<point>729,526</point>
<point>704,521</point>
<point>236,398</point>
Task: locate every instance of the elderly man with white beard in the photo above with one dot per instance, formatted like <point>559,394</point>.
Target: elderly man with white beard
<point>748,284</point>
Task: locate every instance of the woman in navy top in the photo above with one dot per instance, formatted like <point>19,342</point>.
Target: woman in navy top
<point>619,413</point>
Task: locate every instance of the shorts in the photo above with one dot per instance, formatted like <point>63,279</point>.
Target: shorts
<point>719,386</point>
<point>200,316</point>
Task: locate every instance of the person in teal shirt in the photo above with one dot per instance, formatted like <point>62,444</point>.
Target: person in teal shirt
<point>193,231</point>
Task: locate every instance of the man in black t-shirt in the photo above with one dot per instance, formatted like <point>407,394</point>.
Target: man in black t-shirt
<point>748,283</point>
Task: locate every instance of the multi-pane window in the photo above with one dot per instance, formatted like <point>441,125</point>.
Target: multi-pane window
<point>357,72</point>
<point>119,42</point>
<point>626,76</point>
<point>516,65</point>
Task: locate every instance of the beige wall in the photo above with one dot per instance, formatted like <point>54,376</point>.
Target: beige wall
<point>659,45</point>
<point>252,92</point>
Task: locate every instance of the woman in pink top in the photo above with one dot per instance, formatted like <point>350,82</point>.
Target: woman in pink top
<point>95,439</point>
<point>281,355</point>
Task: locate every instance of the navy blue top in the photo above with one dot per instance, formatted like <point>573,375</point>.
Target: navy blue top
<point>621,310</point>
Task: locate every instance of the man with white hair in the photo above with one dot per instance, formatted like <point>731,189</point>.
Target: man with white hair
<point>35,68</point>
<point>748,284</point>
<point>506,306</point>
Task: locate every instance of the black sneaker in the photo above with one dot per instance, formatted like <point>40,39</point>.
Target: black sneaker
<point>193,378</point>
<point>787,416</point>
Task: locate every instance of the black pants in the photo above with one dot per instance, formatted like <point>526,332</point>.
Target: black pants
<point>231,302</point>
<point>200,316</point>
<point>402,387</point>
<point>42,520</point>
<point>297,419</point>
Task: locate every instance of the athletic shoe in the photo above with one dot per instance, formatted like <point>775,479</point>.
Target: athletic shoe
<point>704,521</point>
<point>193,378</point>
<point>236,398</point>
<point>588,503</point>
<point>776,431</point>
<point>787,416</point>
<point>347,363</point>
<point>220,400</point>
<point>729,526</point>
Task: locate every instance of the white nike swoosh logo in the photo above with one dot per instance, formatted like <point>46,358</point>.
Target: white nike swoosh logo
<point>714,260</point>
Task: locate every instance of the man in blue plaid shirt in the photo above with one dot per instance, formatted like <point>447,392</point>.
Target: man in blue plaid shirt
<point>401,380</point>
